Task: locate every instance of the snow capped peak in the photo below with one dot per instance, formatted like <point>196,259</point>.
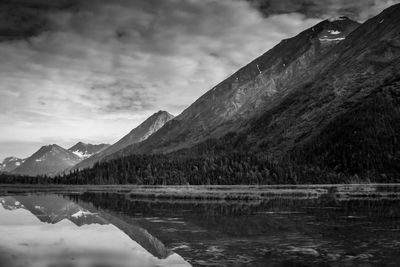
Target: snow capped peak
<point>84,151</point>
<point>48,160</point>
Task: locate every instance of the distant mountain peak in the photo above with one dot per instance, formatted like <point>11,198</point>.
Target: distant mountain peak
<point>48,160</point>
<point>10,163</point>
<point>332,30</point>
<point>151,125</point>
<point>161,113</point>
<point>84,151</point>
<point>45,149</point>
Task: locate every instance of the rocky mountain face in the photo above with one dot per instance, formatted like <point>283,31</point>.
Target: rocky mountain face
<point>84,151</point>
<point>347,116</point>
<point>343,119</point>
<point>48,160</point>
<point>260,85</point>
<point>139,134</point>
<point>10,163</point>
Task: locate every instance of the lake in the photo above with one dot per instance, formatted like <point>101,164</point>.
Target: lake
<point>340,226</point>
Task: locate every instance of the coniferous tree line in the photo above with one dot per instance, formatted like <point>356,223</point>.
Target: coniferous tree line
<point>235,168</point>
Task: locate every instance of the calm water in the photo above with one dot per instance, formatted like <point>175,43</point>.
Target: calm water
<point>102,229</point>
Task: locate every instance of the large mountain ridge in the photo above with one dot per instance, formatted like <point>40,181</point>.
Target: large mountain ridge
<point>258,86</point>
<point>344,120</point>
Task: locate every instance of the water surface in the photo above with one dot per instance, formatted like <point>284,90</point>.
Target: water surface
<point>347,226</point>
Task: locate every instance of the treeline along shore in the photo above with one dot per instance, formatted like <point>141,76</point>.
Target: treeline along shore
<point>227,169</point>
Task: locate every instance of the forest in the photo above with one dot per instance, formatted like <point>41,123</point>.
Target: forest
<point>234,168</point>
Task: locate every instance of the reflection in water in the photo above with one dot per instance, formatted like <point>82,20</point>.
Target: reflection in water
<point>337,229</point>
<point>52,231</point>
<point>347,226</point>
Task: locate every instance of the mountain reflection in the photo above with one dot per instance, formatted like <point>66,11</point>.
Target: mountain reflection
<point>50,230</point>
<point>346,226</point>
<point>341,228</point>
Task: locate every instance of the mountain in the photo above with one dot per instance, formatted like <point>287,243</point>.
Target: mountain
<point>342,121</point>
<point>48,160</point>
<point>140,133</point>
<point>84,151</point>
<point>259,85</point>
<point>314,109</point>
<point>10,163</point>
<point>346,119</point>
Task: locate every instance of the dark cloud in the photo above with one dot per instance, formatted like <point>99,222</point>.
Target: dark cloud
<point>358,10</point>
<point>21,19</point>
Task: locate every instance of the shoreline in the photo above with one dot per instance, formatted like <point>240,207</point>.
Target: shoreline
<point>218,192</point>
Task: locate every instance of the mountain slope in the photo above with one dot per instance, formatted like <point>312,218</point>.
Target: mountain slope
<point>140,133</point>
<point>84,151</point>
<point>342,122</point>
<point>365,62</point>
<point>260,84</point>
<point>48,160</point>
<point>10,163</point>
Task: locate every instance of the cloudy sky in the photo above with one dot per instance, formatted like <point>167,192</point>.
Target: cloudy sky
<point>91,70</point>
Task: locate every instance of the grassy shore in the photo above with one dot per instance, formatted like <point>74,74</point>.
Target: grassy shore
<point>223,192</point>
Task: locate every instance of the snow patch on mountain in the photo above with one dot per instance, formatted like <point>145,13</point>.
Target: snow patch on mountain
<point>331,39</point>
<point>80,154</point>
<point>84,151</point>
<point>82,213</point>
<point>48,160</point>
<point>10,163</point>
<point>334,32</point>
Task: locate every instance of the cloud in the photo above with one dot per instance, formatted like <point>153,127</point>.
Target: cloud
<point>92,70</point>
<point>122,95</point>
<point>358,10</point>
